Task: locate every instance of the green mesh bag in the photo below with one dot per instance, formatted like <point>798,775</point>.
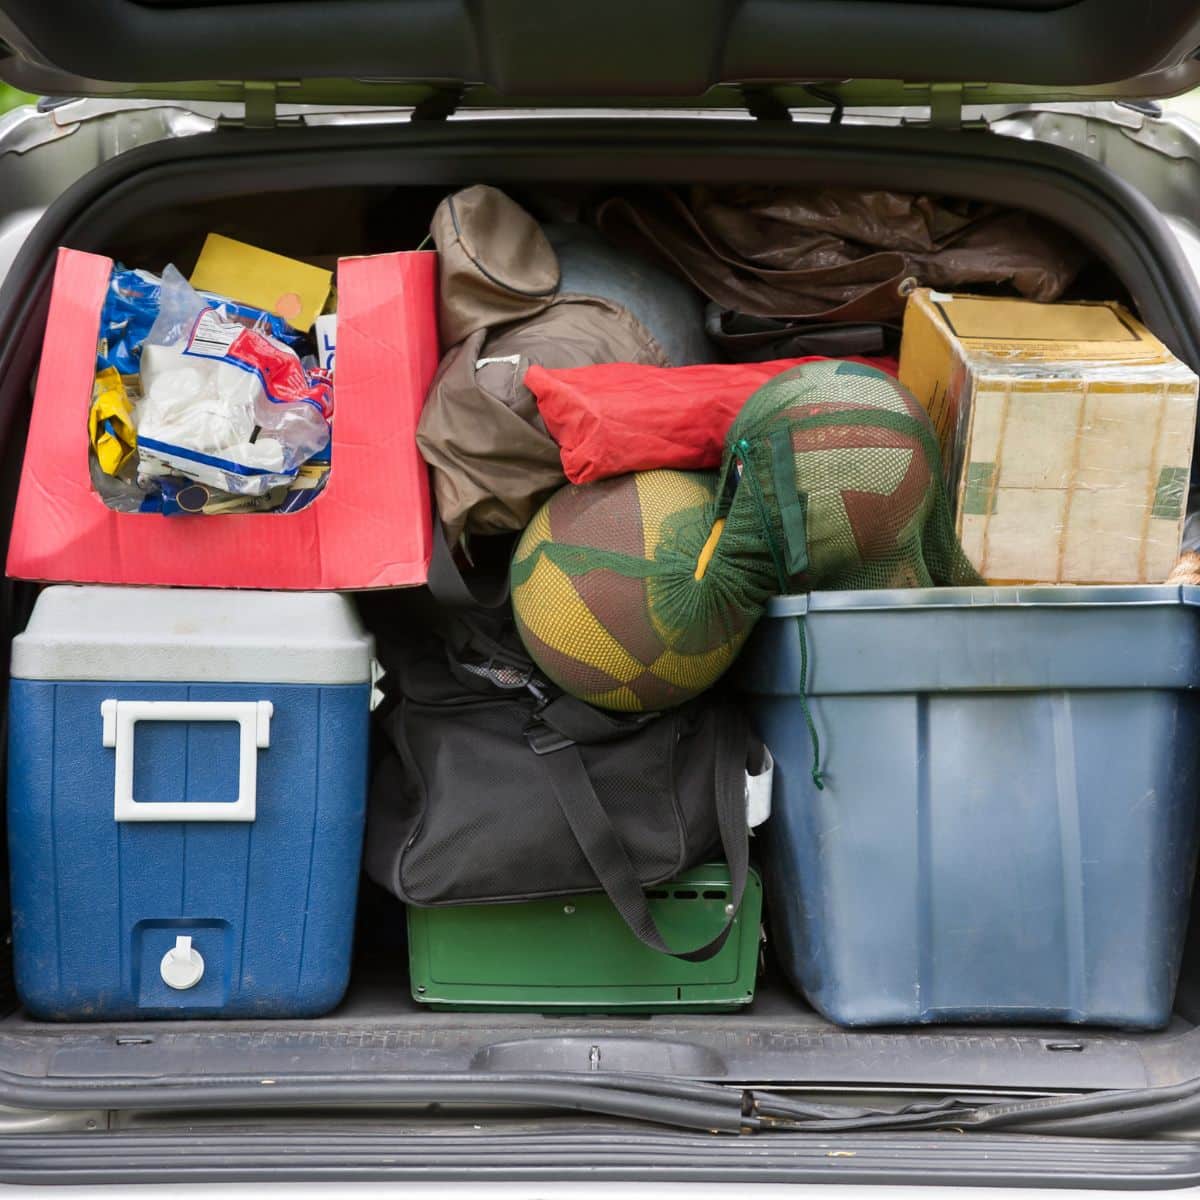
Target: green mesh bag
<point>637,592</point>
<point>832,474</point>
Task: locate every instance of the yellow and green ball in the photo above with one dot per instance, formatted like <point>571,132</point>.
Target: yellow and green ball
<point>612,594</point>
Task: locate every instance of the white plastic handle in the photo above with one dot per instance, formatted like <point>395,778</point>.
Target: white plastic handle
<point>120,716</point>
<point>758,792</point>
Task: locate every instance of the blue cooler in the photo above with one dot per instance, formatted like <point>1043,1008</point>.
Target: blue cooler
<point>1008,829</point>
<point>186,797</point>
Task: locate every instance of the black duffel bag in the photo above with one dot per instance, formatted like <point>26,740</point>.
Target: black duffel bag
<point>500,788</point>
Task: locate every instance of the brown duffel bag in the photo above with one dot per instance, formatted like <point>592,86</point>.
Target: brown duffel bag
<point>513,293</point>
<point>833,254</point>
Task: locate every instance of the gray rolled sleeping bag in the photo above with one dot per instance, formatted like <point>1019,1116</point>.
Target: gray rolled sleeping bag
<point>671,310</point>
<point>492,461</point>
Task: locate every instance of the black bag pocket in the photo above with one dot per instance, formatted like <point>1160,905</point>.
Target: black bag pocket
<point>467,811</point>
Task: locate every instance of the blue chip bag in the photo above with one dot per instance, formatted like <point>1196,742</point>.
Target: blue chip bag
<point>131,307</point>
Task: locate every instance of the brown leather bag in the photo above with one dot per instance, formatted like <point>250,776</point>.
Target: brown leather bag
<point>837,254</point>
<point>501,308</point>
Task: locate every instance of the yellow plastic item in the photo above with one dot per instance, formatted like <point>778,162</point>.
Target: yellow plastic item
<point>110,422</point>
<point>290,289</point>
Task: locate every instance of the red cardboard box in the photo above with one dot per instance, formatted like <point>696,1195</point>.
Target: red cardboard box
<point>370,528</point>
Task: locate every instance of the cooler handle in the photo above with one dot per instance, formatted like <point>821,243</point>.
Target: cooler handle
<point>252,716</point>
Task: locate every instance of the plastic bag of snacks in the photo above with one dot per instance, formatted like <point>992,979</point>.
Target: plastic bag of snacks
<point>223,404</point>
<point>203,404</point>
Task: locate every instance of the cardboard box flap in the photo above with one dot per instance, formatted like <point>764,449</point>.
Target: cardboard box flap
<point>1024,331</point>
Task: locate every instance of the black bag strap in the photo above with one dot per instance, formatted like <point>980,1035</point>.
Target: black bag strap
<point>577,721</point>
<point>470,612</point>
<point>471,616</point>
<point>447,585</point>
<point>746,338</point>
<point>602,847</point>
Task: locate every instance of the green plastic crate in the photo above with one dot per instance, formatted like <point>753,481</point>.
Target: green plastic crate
<point>577,955</point>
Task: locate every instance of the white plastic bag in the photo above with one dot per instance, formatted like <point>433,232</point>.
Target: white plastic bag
<point>222,403</point>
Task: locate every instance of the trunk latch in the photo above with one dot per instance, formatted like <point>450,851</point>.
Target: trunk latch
<point>260,104</point>
<point>945,102</point>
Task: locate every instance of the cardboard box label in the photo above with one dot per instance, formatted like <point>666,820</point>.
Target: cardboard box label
<point>1171,493</point>
<point>973,319</point>
<point>980,490</point>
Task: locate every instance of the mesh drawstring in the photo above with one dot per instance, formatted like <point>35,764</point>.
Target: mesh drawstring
<point>818,776</point>
<point>764,513</point>
<point>764,516</point>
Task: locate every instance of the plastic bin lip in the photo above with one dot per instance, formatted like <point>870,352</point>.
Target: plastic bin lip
<point>1031,596</point>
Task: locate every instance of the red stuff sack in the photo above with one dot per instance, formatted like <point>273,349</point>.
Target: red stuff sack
<point>613,418</point>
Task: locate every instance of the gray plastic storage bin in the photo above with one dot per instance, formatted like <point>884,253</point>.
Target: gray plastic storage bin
<point>1008,828</point>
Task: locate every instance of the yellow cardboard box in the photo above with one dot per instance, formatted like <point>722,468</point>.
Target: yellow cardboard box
<point>1066,433</point>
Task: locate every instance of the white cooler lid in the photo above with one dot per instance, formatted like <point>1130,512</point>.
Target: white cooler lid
<point>192,635</point>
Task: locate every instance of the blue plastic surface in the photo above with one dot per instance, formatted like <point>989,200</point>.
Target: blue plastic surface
<point>1008,830</point>
<point>269,904</point>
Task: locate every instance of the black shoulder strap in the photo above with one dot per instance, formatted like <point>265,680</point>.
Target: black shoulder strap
<point>606,855</point>
<point>448,586</point>
<point>578,721</point>
<point>472,617</point>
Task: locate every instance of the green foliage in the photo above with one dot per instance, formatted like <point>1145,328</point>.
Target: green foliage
<point>11,98</point>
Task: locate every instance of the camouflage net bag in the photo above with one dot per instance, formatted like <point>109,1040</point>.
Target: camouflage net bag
<point>637,592</point>
<point>832,472</point>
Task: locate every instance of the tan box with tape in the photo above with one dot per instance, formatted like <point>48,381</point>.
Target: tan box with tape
<point>1066,433</point>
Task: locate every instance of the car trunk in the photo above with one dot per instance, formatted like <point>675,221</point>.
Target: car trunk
<point>320,193</point>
